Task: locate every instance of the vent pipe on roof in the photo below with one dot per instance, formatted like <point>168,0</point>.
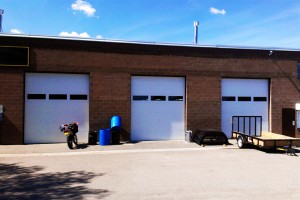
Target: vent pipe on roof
<point>1,14</point>
<point>196,23</point>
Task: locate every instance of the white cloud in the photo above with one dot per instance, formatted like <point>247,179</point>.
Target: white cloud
<point>15,31</point>
<point>99,37</point>
<point>75,34</point>
<point>84,6</point>
<point>217,11</point>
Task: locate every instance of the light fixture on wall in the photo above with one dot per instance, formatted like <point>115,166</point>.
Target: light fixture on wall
<point>270,53</point>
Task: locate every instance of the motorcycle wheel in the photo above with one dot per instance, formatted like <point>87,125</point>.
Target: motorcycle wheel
<point>75,140</point>
<point>70,141</point>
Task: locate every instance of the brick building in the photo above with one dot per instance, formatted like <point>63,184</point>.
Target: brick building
<point>159,90</point>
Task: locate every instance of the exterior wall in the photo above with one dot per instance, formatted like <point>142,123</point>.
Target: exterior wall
<point>110,76</point>
<point>11,97</point>
<point>285,93</point>
<point>203,102</point>
<point>110,95</point>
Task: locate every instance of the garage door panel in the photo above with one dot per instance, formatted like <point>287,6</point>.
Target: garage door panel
<point>171,107</point>
<point>244,87</point>
<point>161,117</point>
<point>50,82</point>
<point>40,132</point>
<point>48,117</point>
<point>244,97</point>
<point>177,126</point>
<point>141,85</point>
<point>158,131</point>
<point>43,117</point>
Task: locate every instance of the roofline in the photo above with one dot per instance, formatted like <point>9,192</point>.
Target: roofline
<point>148,43</point>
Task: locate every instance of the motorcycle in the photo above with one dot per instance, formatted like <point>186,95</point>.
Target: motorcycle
<point>70,131</point>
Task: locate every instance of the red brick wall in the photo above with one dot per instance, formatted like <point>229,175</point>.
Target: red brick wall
<point>203,107</point>
<point>285,93</point>
<point>110,76</point>
<point>109,96</point>
<point>11,97</point>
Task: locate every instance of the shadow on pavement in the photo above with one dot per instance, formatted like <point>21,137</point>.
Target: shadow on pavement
<point>17,182</point>
<point>82,146</point>
<point>290,152</point>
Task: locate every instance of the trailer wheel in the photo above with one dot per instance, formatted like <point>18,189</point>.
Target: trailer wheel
<point>240,142</point>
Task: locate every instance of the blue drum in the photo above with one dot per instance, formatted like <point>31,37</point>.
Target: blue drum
<point>104,137</point>
<point>115,123</point>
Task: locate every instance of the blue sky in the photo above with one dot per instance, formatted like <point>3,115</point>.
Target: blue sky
<point>257,23</point>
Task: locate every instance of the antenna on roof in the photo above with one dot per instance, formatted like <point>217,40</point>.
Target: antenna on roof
<point>196,24</point>
<point>1,14</point>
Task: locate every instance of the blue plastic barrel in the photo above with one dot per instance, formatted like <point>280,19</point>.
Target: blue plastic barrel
<point>116,123</point>
<point>104,137</point>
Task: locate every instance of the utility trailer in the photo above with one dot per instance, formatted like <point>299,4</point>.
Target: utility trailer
<point>248,130</point>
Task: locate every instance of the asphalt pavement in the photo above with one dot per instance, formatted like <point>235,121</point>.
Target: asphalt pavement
<point>147,170</point>
<point>62,148</point>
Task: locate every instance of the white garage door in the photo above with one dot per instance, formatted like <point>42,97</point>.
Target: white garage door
<point>244,97</point>
<point>52,100</point>
<point>157,108</point>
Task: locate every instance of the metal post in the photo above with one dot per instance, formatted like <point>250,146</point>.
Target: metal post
<point>238,124</point>
<point>244,124</point>
<point>260,126</point>
<point>232,125</point>
<point>249,125</point>
<point>255,126</point>
<point>196,23</point>
<point>1,14</point>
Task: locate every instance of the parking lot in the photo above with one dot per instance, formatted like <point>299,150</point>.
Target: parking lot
<point>147,170</point>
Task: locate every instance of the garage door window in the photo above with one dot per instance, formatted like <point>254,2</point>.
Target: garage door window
<point>140,98</point>
<point>259,98</point>
<point>228,98</point>
<point>175,98</point>
<point>36,96</point>
<point>244,98</point>
<point>158,98</point>
<point>78,97</point>
<point>57,96</point>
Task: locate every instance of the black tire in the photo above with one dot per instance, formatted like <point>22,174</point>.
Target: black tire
<point>70,141</point>
<point>240,142</point>
<point>75,140</point>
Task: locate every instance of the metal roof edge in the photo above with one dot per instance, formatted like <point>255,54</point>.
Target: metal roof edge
<point>149,43</point>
